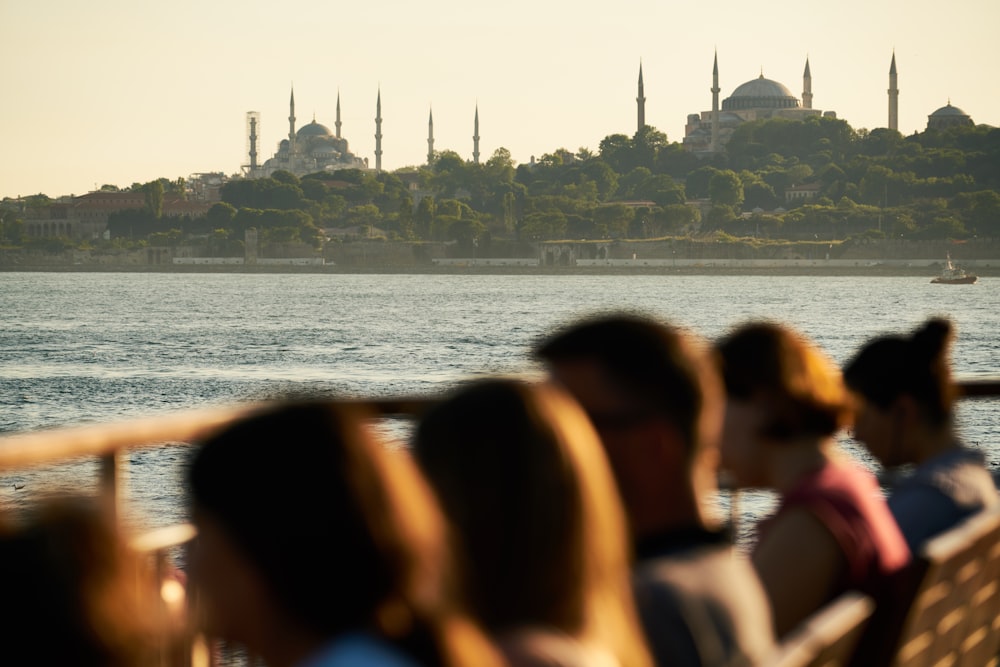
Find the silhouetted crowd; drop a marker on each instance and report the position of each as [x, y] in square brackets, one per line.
[567, 522]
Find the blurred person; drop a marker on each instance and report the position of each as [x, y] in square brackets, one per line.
[74, 593]
[832, 531]
[656, 403]
[522, 478]
[319, 547]
[905, 415]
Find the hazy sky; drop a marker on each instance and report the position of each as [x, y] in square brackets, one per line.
[119, 91]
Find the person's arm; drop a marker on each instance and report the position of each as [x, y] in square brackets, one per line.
[799, 563]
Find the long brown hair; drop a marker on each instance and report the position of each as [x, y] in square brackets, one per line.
[351, 539]
[524, 480]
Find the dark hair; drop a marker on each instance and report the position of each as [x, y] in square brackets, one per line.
[798, 386]
[916, 365]
[67, 577]
[523, 478]
[342, 531]
[655, 364]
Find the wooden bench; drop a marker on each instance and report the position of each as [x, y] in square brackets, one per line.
[945, 610]
[828, 637]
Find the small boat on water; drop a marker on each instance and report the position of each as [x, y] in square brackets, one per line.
[952, 275]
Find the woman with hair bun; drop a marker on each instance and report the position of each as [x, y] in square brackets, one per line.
[905, 399]
[832, 531]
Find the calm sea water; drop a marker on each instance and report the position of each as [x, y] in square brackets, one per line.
[80, 348]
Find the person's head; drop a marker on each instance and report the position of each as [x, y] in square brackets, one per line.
[309, 526]
[523, 479]
[654, 398]
[904, 386]
[781, 392]
[73, 592]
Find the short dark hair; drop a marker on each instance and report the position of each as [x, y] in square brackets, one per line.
[916, 365]
[655, 364]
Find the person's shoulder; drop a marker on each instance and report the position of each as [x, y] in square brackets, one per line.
[359, 649]
[960, 476]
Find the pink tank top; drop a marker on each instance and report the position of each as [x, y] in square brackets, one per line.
[849, 503]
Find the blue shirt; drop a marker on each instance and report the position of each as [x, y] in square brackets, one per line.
[940, 493]
[358, 650]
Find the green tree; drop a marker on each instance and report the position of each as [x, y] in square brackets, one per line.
[221, 215]
[611, 221]
[424, 217]
[153, 194]
[678, 216]
[726, 188]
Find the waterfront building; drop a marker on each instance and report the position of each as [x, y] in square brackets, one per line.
[86, 216]
[313, 147]
[948, 116]
[708, 132]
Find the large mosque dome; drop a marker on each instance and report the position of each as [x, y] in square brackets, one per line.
[313, 129]
[760, 93]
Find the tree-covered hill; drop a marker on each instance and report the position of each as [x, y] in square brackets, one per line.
[812, 179]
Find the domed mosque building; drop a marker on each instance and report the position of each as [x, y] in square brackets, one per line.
[760, 98]
[948, 116]
[312, 148]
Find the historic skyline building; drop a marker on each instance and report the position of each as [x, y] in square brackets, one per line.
[475, 137]
[430, 137]
[310, 148]
[313, 147]
[948, 116]
[709, 132]
[378, 128]
[641, 102]
[893, 95]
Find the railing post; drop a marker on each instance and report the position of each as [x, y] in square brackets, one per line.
[112, 480]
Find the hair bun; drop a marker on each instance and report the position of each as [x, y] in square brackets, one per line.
[932, 339]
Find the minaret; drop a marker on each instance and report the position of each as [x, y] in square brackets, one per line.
[430, 138]
[253, 142]
[807, 87]
[715, 104]
[475, 138]
[893, 95]
[337, 124]
[641, 102]
[291, 122]
[378, 130]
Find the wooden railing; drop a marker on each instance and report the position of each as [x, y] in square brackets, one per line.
[109, 443]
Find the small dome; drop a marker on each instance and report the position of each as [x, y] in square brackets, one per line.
[949, 111]
[314, 129]
[948, 116]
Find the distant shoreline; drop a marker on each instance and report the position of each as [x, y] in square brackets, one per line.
[791, 271]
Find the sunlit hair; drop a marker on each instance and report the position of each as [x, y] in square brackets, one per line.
[658, 367]
[345, 533]
[797, 384]
[74, 593]
[916, 365]
[522, 476]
